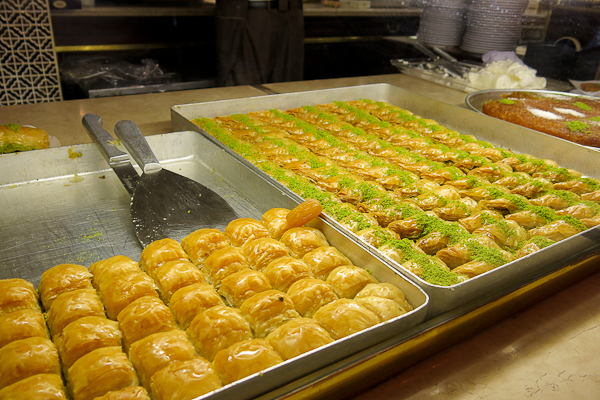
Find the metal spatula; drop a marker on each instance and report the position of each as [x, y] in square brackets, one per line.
[164, 204]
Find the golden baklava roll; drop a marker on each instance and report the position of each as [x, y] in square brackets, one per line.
[202, 243]
[173, 275]
[103, 370]
[348, 280]
[223, 263]
[156, 351]
[244, 359]
[14, 137]
[160, 251]
[310, 294]
[323, 260]
[302, 240]
[183, 380]
[216, 329]
[241, 230]
[111, 269]
[124, 290]
[385, 290]
[36, 387]
[143, 317]
[62, 278]
[22, 324]
[242, 285]
[385, 309]
[191, 300]
[284, 271]
[260, 252]
[16, 294]
[85, 335]
[27, 357]
[127, 393]
[344, 317]
[276, 222]
[71, 306]
[267, 310]
[298, 336]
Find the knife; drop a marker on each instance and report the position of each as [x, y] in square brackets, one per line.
[452, 68]
[117, 159]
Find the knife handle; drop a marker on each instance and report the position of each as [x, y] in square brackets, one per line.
[117, 159]
[137, 146]
[93, 125]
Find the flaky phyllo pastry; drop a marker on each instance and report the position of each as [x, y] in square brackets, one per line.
[445, 206]
[189, 317]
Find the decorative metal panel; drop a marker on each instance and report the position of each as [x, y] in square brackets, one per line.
[28, 68]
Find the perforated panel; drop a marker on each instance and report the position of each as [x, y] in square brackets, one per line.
[28, 69]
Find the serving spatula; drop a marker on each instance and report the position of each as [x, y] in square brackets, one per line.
[163, 204]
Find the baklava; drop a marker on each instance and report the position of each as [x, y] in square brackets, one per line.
[244, 359]
[62, 278]
[216, 329]
[27, 357]
[184, 380]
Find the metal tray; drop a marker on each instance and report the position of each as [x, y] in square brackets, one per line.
[476, 100]
[50, 215]
[483, 288]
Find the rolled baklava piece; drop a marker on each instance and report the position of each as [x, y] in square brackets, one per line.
[36, 387]
[244, 359]
[184, 380]
[202, 243]
[241, 230]
[173, 275]
[27, 357]
[276, 222]
[267, 310]
[127, 393]
[223, 263]
[62, 278]
[323, 260]
[298, 336]
[216, 329]
[242, 285]
[22, 324]
[124, 290]
[310, 294]
[385, 309]
[260, 252]
[85, 335]
[160, 251]
[143, 317]
[284, 271]
[385, 290]
[344, 317]
[17, 294]
[191, 300]
[111, 269]
[302, 240]
[99, 372]
[71, 306]
[156, 351]
[348, 280]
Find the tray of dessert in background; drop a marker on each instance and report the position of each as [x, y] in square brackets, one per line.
[509, 138]
[570, 116]
[66, 211]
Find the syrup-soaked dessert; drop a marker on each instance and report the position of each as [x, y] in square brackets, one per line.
[573, 118]
[187, 318]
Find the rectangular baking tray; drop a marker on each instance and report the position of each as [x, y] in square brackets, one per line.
[65, 205]
[483, 288]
